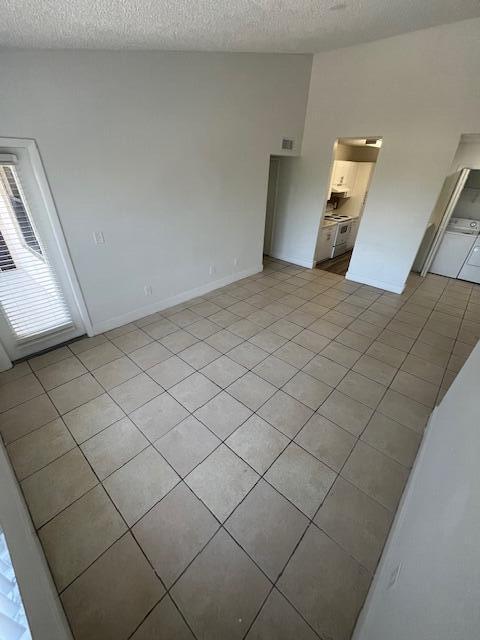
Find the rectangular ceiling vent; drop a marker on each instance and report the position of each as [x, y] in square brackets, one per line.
[287, 144]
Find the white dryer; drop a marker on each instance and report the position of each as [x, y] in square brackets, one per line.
[458, 240]
[471, 268]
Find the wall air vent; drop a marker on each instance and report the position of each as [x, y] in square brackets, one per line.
[287, 144]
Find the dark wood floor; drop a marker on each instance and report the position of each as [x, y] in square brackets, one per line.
[336, 265]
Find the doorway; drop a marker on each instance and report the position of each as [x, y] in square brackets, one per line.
[353, 165]
[40, 301]
[272, 192]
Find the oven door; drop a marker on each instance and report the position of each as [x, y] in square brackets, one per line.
[341, 238]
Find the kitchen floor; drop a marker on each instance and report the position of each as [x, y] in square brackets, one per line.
[338, 265]
[230, 467]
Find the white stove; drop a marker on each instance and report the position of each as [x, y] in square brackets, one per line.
[342, 232]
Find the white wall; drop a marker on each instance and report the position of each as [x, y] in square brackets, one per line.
[166, 153]
[435, 535]
[418, 91]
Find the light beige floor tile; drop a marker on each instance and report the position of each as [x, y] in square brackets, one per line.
[101, 604]
[223, 341]
[140, 483]
[362, 389]
[57, 485]
[160, 328]
[90, 418]
[374, 369]
[387, 354]
[380, 477]
[185, 318]
[26, 417]
[84, 344]
[222, 481]
[17, 371]
[294, 354]
[346, 412]
[408, 412]
[224, 318]
[158, 416]
[428, 371]
[163, 622]
[396, 340]
[325, 328]
[326, 585]
[308, 390]
[268, 527]
[325, 370]
[114, 373]
[355, 521]
[77, 536]
[18, 391]
[135, 392]
[119, 331]
[278, 620]
[430, 353]
[354, 340]
[174, 531]
[178, 341]
[275, 371]
[415, 388]
[199, 355]
[327, 442]
[55, 355]
[341, 354]
[114, 446]
[245, 328]
[285, 413]
[251, 390]
[58, 373]
[98, 356]
[436, 340]
[223, 371]
[194, 391]
[75, 393]
[150, 355]
[312, 341]
[132, 340]
[268, 341]
[285, 328]
[247, 354]
[301, 478]
[233, 590]
[39, 448]
[258, 443]
[169, 372]
[186, 445]
[392, 438]
[223, 414]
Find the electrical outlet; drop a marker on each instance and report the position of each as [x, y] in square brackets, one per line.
[148, 289]
[235, 262]
[394, 576]
[98, 237]
[211, 270]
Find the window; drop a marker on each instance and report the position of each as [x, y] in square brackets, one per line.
[13, 621]
[21, 215]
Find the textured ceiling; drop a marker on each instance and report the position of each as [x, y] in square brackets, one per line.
[302, 26]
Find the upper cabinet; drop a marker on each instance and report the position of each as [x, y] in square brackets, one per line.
[343, 175]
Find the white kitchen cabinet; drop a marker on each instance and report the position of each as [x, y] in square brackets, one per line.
[325, 243]
[344, 174]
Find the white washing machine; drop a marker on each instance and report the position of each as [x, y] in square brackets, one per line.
[471, 268]
[457, 242]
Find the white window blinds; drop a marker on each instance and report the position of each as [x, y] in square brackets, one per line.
[30, 295]
[13, 621]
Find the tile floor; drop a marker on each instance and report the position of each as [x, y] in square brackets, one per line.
[229, 468]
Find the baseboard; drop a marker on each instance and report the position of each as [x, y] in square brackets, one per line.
[301, 262]
[372, 282]
[141, 312]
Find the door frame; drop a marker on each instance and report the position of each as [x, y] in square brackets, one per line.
[58, 245]
[447, 214]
